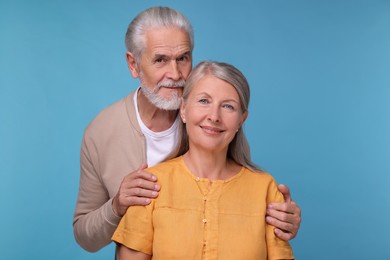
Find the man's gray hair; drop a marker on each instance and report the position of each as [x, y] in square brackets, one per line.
[155, 17]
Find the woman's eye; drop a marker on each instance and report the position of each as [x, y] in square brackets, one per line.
[228, 106]
[203, 101]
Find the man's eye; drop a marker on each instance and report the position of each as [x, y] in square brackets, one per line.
[183, 58]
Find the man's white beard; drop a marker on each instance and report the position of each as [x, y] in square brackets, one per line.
[170, 103]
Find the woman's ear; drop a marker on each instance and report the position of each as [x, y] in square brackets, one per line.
[244, 117]
[182, 111]
[132, 64]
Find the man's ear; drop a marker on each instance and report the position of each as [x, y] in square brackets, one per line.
[132, 64]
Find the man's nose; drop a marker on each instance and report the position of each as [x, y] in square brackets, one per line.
[174, 71]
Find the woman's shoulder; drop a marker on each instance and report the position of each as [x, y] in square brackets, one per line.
[258, 175]
[166, 168]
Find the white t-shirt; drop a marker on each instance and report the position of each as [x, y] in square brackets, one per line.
[158, 144]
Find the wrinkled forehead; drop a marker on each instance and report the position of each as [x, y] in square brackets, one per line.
[172, 38]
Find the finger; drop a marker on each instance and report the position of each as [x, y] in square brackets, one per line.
[144, 184]
[280, 215]
[138, 201]
[134, 197]
[141, 193]
[141, 173]
[283, 226]
[142, 167]
[284, 235]
[147, 176]
[288, 222]
[141, 179]
[286, 192]
[283, 207]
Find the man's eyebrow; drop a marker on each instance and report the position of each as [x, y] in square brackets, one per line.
[185, 53]
[160, 56]
[165, 55]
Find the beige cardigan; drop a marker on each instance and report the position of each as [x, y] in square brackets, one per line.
[113, 146]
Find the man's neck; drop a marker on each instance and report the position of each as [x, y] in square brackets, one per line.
[154, 118]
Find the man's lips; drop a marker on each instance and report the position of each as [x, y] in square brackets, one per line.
[171, 87]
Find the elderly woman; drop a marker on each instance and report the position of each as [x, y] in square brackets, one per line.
[213, 199]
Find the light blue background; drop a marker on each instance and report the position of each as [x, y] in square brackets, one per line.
[319, 118]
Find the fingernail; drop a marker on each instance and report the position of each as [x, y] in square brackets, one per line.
[154, 193]
[157, 187]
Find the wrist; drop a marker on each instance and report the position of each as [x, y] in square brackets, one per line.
[114, 208]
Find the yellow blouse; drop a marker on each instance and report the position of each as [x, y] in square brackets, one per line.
[195, 218]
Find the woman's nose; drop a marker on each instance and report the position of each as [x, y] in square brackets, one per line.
[214, 115]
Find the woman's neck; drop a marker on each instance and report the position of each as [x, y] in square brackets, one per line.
[209, 165]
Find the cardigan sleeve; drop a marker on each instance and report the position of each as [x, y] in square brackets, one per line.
[94, 220]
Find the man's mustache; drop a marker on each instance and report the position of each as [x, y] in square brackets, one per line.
[171, 84]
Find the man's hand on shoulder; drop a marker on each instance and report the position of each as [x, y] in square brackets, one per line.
[136, 189]
[285, 217]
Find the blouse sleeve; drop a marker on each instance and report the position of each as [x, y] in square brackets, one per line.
[276, 247]
[135, 230]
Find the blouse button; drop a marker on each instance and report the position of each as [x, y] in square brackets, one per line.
[204, 220]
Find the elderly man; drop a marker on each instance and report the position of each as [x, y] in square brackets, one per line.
[141, 130]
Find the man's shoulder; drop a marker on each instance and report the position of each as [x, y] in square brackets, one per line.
[111, 119]
[111, 114]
